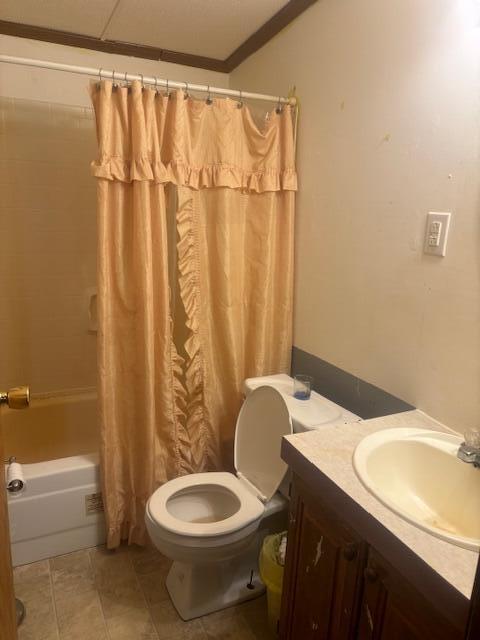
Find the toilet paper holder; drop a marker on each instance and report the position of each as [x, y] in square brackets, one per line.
[16, 484]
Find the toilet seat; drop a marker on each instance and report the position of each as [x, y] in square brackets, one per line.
[249, 508]
[263, 419]
[214, 509]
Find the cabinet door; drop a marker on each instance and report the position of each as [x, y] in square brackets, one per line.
[392, 609]
[323, 575]
[8, 618]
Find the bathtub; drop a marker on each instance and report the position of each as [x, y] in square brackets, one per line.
[60, 508]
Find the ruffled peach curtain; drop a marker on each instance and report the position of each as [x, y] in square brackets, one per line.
[168, 409]
[236, 271]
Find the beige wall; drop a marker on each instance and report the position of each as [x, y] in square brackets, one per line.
[47, 213]
[389, 130]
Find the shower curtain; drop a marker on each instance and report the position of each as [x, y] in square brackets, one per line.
[169, 394]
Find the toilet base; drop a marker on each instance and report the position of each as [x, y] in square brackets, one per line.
[199, 589]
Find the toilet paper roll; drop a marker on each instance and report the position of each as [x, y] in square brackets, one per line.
[15, 479]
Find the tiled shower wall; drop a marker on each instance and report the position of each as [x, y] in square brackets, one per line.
[47, 245]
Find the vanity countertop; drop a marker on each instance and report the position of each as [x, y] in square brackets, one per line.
[330, 450]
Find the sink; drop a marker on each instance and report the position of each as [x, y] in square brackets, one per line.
[416, 474]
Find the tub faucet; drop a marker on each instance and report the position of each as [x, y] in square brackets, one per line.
[469, 451]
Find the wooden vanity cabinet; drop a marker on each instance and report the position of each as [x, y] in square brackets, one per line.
[391, 609]
[336, 587]
[323, 574]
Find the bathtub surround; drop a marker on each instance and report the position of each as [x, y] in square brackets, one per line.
[389, 130]
[168, 409]
[345, 389]
[48, 245]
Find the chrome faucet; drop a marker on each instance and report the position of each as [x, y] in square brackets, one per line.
[469, 451]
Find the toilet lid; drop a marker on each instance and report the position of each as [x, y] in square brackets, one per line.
[263, 420]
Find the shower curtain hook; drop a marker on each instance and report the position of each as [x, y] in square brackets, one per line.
[209, 98]
[125, 82]
[143, 86]
[156, 86]
[279, 106]
[186, 96]
[168, 92]
[240, 104]
[115, 85]
[99, 78]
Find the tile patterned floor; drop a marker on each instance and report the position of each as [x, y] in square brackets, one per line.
[95, 594]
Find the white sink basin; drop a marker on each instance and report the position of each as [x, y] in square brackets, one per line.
[416, 473]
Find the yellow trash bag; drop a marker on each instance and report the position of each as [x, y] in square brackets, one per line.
[271, 573]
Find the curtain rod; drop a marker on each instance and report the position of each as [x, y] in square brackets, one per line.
[128, 77]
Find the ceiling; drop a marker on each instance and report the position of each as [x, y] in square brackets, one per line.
[208, 28]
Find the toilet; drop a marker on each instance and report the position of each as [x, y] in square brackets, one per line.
[212, 525]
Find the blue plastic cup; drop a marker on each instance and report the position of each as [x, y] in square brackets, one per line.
[302, 386]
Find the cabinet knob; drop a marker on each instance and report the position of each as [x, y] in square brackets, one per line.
[371, 574]
[350, 552]
[16, 398]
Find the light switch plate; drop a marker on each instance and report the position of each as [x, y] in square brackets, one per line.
[436, 235]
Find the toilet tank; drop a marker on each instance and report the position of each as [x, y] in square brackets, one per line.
[314, 413]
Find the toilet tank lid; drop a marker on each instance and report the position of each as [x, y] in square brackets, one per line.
[263, 419]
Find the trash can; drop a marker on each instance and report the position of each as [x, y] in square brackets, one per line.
[272, 559]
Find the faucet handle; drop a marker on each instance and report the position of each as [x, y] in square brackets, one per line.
[472, 438]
